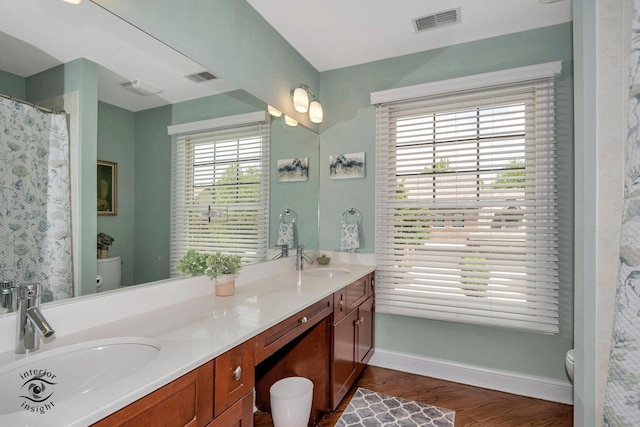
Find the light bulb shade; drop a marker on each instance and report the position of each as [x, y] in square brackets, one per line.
[289, 121]
[301, 100]
[315, 112]
[274, 111]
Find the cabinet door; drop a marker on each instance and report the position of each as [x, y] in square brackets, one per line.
[234, 376]
[240, 414]
[343, 365]
[186, 401]
[365, 333]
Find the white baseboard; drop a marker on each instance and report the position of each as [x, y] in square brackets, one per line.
[493, 379]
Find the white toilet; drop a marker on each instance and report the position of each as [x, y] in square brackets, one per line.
[109, 274]
[568, 363]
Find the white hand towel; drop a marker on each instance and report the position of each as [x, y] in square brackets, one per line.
[349, 238]
[285, 235]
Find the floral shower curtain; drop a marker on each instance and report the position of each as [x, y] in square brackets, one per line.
[622, 397]
[35, 199]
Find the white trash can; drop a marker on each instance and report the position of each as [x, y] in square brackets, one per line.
[291, 402]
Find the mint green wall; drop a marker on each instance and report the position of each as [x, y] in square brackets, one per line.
[350, 127]
[12, 85]
[79, 75]
[224, 104]
[116, 136]
[152, 183]
[230, 39]
[302, 196]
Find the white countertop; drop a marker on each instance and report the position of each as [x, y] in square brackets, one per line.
[190, 333]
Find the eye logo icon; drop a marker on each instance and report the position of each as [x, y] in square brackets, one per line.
[37, 390]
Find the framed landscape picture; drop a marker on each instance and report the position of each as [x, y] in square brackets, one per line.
[107, 188]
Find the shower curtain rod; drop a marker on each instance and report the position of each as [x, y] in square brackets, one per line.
[43, 109]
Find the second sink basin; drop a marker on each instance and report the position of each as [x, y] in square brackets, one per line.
[38, 383]
[326, 272]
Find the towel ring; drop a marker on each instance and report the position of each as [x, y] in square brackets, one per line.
[351, 211]
[288, 212]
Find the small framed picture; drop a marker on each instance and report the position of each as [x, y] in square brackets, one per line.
[345, 166]
[290, 170]
[107, 188]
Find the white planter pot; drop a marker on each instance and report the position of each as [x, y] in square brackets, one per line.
[225, 285]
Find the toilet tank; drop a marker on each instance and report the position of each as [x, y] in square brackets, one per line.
[109, 274]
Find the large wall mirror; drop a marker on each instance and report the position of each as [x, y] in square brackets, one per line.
[117, 126]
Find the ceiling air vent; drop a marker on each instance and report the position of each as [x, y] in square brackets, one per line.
[201, 77]
[439, 19]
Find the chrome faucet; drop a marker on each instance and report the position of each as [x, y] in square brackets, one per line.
[284, 253]
[30, 323]
[301, 257]
[7, 296]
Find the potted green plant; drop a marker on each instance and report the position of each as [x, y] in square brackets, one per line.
[222, 268]
[193, 263]
[104, 241]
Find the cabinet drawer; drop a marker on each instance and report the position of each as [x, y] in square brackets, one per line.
[357, 292]
[234, 376]
[286, 331]
[183, 402]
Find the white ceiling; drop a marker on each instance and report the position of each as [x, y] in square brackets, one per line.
[338, 33]
[36, 35]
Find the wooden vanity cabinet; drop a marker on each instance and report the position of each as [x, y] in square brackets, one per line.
[218, 393]
[186, 401]
[353, 335]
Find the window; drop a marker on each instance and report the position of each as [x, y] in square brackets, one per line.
[221, 188]
[466, 222]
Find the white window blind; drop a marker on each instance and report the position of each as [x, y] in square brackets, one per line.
[466, 207]
[220, 194]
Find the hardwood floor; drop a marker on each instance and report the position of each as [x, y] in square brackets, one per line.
[474, 406]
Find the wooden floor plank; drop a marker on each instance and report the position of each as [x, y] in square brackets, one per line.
[474, 406]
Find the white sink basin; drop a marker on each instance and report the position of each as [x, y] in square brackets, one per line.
[326, 272]
[39, 382]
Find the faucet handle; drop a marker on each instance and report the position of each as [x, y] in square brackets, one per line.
[28, 290]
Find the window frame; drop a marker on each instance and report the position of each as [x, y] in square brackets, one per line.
[249, 239]
[541, 309]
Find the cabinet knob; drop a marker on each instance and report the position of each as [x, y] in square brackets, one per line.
[341, 304]
[304, 320]
[237, 373]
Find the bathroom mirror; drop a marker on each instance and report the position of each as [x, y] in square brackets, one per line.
[141, 227]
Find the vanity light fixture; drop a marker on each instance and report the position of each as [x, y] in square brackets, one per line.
[73, 1]
[289, 121]
[300, 96]
[274, 111]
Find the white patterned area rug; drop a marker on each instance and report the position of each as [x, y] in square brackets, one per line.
[370, 409]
